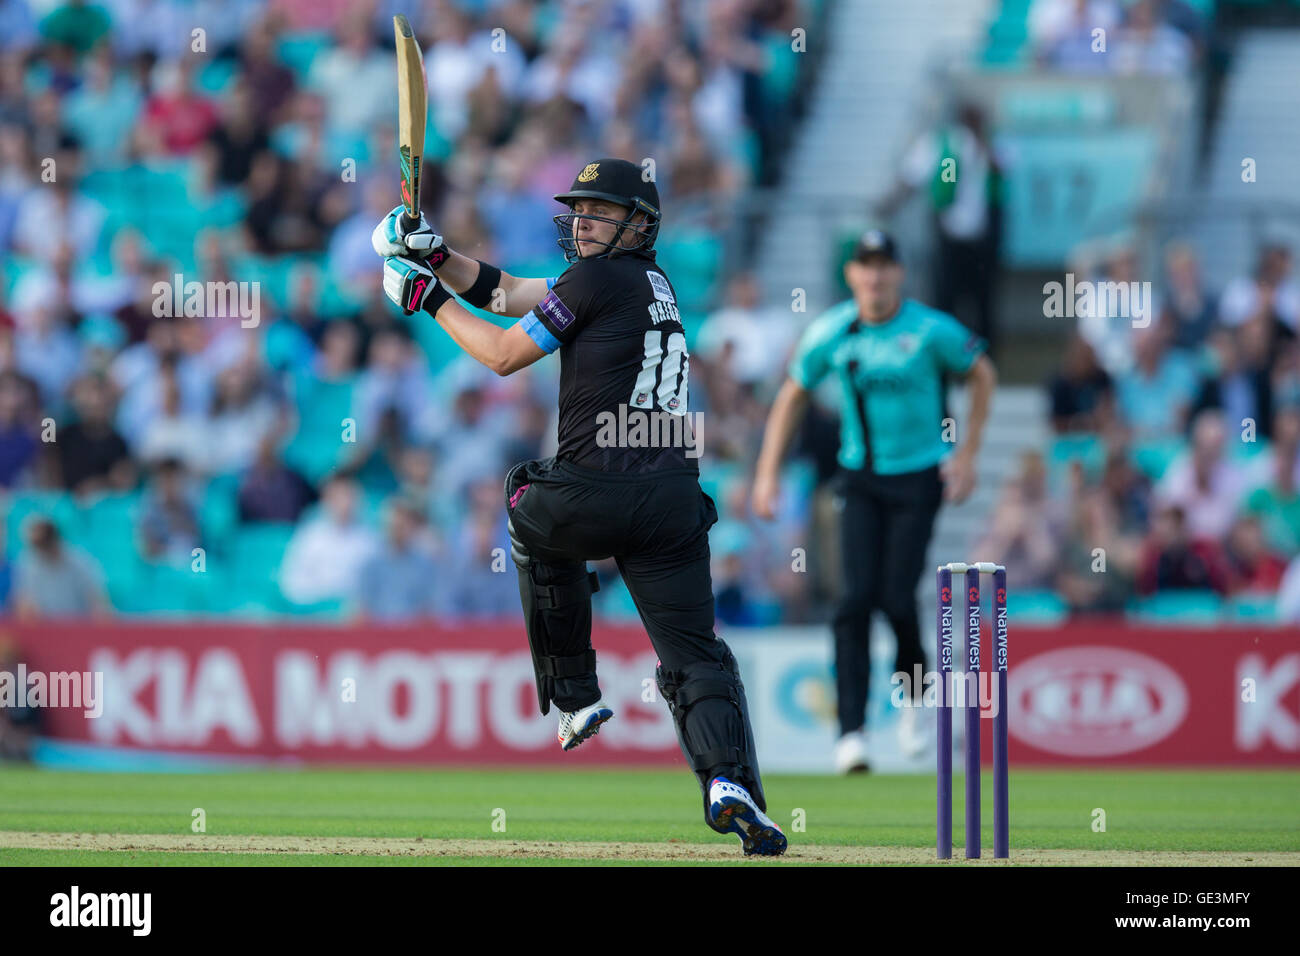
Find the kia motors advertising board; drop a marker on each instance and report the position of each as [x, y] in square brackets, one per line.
[1102, 693]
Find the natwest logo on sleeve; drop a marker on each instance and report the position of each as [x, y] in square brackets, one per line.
[1095, 701]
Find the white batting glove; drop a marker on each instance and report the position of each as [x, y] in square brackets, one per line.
[392, 238]
[411, 284]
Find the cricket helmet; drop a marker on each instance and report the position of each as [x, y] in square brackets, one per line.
[617, 181]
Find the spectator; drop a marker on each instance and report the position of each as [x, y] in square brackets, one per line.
[238, 137]
[92, 456]
[1238, 383]
[1186, 304]
[270, 490]
[243, 414]
[1062, 35]
[1106, 323]
[355, 76]
[968, 215]
[1288, 594]
[1147, 45]
[326, 553]
[1098, 564]
[177, 120]
[1270, 293]
[1173, 560]
[1153, 397]
[76, 25]
[756, 339]
[271, 84]
[102, 112]
[400, 581]
[1082, 394]
[18, 725]
[478, 579]
[1252, 567]
[1019, 533]
[732, 603]
[1203, 483]
[173, 433]
[54, 580]
[18, 435]
[1129, 492]
[169, 524]
[1275, 499]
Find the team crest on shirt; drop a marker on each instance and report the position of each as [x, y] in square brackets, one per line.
[906, 344]
[662, 290]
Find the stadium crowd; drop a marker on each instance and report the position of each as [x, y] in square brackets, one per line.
[1176, 450]
[302, 445]
[323, 456]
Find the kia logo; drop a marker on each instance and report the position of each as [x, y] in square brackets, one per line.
[1094, 701]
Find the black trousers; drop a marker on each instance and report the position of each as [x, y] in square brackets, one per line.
[967, 274]
[657, 529]
[885, 530]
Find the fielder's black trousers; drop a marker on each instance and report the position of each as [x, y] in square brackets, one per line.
[655, 526]
[885, 529]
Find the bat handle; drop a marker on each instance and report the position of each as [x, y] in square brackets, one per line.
[410, 222]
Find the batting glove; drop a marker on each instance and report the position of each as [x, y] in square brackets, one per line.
[392, 238]
[413, 286]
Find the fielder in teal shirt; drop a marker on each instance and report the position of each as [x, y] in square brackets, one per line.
[892, 372]
[888, 361]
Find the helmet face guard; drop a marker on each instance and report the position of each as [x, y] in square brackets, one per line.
[648, 229]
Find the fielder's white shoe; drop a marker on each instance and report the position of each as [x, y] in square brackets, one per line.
[912, 739]
[581, 724]
[851, 753]
[734, 810]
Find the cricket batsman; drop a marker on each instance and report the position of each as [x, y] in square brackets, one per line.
[612, 316]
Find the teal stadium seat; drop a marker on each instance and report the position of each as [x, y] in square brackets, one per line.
[254, 563]
[1037, 608]
[24, 505]
[1180, 608]
[298, 50]
[1252, 608]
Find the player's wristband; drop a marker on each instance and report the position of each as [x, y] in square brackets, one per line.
[437, 296]
[480, 293]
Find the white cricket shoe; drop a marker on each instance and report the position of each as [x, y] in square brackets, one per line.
[734, 810]
[912, 739]
[581, 724]
[851, 753]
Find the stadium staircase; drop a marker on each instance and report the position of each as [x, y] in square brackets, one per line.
[1018, 422]
[1261, 86]
[863, 108]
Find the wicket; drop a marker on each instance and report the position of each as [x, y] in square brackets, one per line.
[944, 648]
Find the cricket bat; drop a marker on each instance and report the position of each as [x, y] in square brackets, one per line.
[412, 109]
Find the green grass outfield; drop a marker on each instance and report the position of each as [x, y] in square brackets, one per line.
[438, 817]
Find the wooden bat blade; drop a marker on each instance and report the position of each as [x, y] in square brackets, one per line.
[412, 108]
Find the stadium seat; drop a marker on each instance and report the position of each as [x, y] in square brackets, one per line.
[1182, 608]
[55, 505]
[1254, 608]
[298, 50]
[219, 512]
[1154, 457]
[1041, 608]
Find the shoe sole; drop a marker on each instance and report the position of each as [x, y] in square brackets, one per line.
[759, 839]
[592, 728]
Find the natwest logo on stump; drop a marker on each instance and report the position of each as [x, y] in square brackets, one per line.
[1095, 701]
